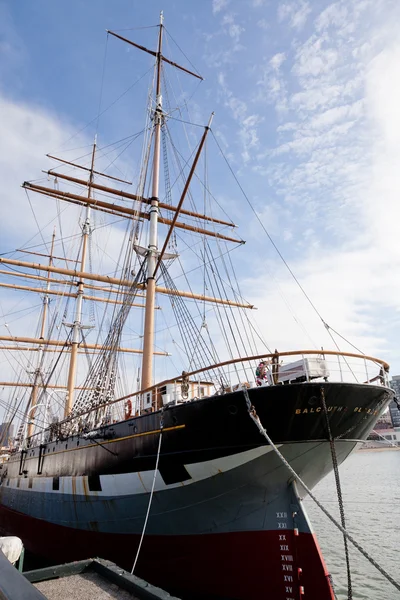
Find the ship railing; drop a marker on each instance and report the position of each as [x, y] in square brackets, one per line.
[300, 366]
[283, 368]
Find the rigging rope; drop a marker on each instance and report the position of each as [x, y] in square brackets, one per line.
[263, 431]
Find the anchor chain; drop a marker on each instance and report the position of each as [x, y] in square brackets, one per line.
[252, 412]
[338, 492]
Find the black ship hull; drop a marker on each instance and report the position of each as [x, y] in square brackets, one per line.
[226, 519]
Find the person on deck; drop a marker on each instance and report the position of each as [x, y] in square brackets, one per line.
[261, 373]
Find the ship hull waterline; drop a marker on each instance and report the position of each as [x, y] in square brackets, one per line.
[225, 521]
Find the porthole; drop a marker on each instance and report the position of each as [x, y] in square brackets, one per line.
[232, 409]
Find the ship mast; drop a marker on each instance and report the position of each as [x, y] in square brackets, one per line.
[77, 324]
[148, 334]
[38, 371]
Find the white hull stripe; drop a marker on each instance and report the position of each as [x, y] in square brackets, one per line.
[125, 484]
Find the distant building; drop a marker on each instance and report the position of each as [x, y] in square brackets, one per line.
[394, 411]
[6, 432]
[384, 422]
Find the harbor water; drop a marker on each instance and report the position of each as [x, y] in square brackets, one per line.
[371, 491]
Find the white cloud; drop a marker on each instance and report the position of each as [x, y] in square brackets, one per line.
[295, 12]
[233, 29]
[248, 123]
[340, 139]
[313, 58]
[277, 61]
[263, 24]
[218, 5]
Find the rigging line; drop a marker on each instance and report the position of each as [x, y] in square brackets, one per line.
[185, 122]
[37, 246]
[180, 49]
[4, 315]
[137, 28]
[178, 154]
[344, 339]
[185, 319]
[36, 221]
[102, 82]
[105, 110]
[215, 272]
[266, 231]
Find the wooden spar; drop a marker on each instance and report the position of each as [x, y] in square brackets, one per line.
[183, 195]
[123, 194]
[40, 349]
[47, 255]
[117, 209]
[191, 296]
[66, 294]
[132, 43]
[50, 386]
[154, 54]
[60, 343]
[87, 169]
[68, 282]
[148, 329]
[115, 281]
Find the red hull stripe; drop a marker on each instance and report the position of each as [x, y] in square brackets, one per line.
[248, 565]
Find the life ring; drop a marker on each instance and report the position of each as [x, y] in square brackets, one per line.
[128, 409]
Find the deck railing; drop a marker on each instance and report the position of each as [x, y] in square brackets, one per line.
[283, 368]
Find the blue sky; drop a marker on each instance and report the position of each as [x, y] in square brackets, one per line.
[305, 96]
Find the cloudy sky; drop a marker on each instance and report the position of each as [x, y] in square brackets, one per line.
[306, 97]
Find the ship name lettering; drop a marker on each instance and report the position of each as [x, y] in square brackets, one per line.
[287, 568]
[298, 411]
[287, 578]
[282, 537]
[282, 525]
[281, 515]
[357, 409]
[287, 557]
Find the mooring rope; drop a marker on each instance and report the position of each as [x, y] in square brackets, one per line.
[151, 495]
[255, 418]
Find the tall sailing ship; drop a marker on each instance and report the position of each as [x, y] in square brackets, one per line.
[172, 478]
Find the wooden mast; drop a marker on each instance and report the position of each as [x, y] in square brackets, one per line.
[76, 327]
[38, 371]
[148, 333]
